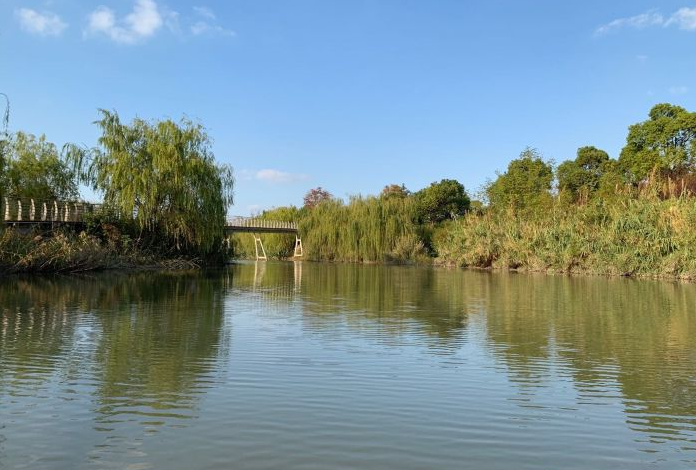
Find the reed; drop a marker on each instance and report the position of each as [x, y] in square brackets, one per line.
[644, 236]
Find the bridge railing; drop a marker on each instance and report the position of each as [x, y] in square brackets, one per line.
[259, 223]
[22, 210]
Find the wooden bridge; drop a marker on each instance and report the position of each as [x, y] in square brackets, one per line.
[34, 212]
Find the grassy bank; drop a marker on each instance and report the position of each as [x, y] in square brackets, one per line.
[68, 252]
[643, 237]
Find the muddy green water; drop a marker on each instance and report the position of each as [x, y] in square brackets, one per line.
[313, 366]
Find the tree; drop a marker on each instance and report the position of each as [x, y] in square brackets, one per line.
[34, 170]
[441, 201]
[162, 173]
[4, 140]
[666, 142]
[581, 177]
[525, 184]
[395, 191]
[316, 196]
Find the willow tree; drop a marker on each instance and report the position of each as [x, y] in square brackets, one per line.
[163, 175]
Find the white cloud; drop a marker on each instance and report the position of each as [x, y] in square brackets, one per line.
[201, 27]
[144, 21]
[277, 176]
[679, 90]
[684, 18]
[43, 24]
[208, 23]
[649, 18]
[204, 12]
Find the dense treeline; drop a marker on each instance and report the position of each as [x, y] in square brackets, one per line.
[164, 196]
[629, 216]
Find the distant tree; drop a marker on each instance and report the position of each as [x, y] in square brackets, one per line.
[164, 173]
[33, 169]
[395, 191]
[316, 196]
[525, 184]
[441, 201]
[666, 142]
[4, 140]
[581, 177]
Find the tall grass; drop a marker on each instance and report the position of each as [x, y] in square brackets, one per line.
[643, 236]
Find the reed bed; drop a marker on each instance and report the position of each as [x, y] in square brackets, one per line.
[644, 237]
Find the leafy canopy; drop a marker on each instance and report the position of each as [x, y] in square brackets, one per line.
[581, 177]
[526, 184]
[163, 174]
[441, 201]
[34, 170]
[395, 191]
[316, 196]
[666, 142]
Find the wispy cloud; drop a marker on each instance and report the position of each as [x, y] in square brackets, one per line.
[684, 18]
[204, 12]
[42, 23]
[277, 176]
[141, 23]
[678, 90]
[207, 23]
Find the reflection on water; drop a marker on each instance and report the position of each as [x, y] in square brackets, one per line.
[302, 365]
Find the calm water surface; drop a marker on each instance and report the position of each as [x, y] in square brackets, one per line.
[312, 366]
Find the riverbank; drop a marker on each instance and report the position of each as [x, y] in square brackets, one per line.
[645, 237]
[69, 252]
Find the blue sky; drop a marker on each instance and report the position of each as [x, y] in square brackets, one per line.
[352, 95]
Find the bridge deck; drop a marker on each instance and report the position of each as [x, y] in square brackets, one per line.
[257, 225]
[25, 212]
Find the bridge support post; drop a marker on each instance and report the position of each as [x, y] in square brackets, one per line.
[19, 210]
[257, 243]
[7, 209]
[298, 247]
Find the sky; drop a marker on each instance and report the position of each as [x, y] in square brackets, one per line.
[351, 95]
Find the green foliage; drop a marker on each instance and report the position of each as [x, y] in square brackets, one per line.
[643, 236]
[442, 201]
[164, 175]
[35, 170]
[525, 185]
[367, 229]
[666, 142]
[580, 178]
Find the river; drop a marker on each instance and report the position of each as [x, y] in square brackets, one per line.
[318, 366]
